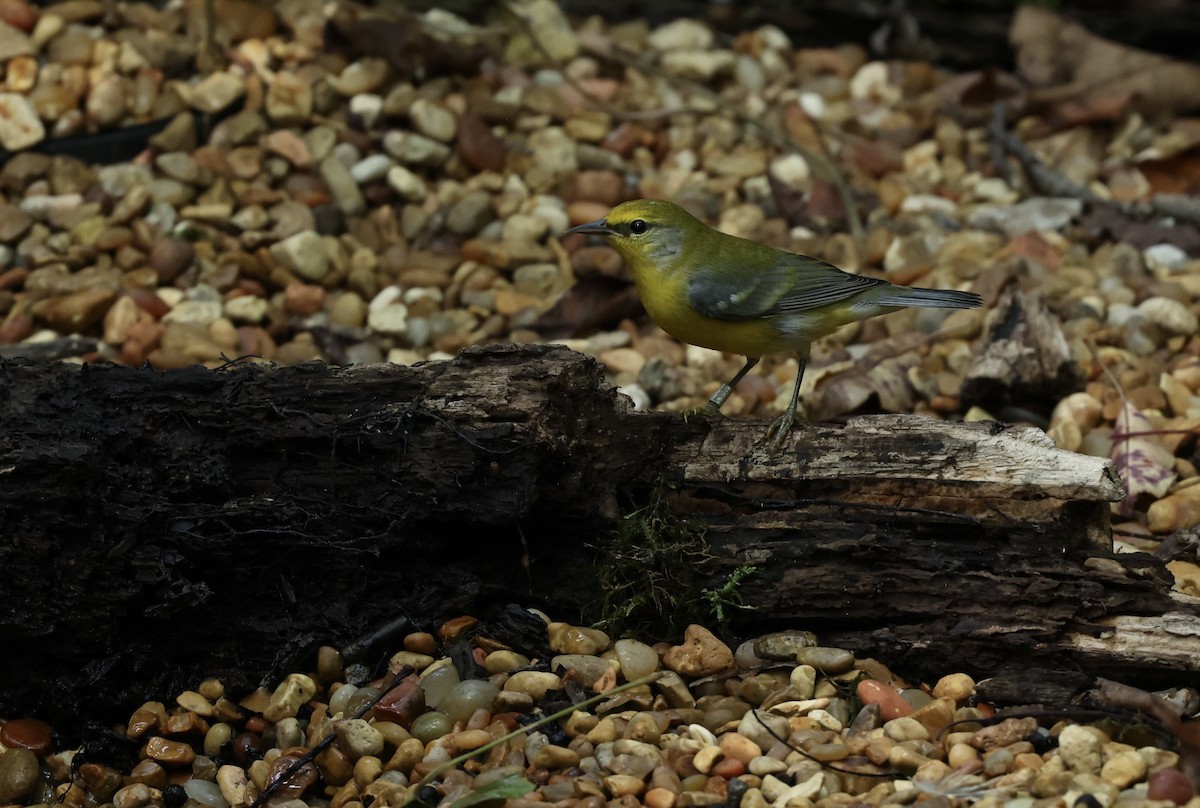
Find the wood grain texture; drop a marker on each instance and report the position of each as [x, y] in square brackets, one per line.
[164, 526]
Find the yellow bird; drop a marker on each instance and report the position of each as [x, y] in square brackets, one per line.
[729, 294]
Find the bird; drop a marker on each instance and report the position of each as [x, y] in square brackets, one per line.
[718, 291]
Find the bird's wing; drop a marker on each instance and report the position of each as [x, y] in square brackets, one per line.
[794, 284]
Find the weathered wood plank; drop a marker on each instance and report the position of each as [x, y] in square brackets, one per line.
[164, 526]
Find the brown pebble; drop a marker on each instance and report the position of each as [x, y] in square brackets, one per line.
[1008, 731]
[100, 781]
[150, 773]
[171, 256]
[455, 626]
[421, 642]
[296, 783]
[658, 798]
[402, 703]
[477, 146]
[303, 298]
[148, 301]
[891, 703]
[16, 326]
[246, 748]
[1170, 784]
[141, 722]
[27, 733]
[170, 753]
[13, 278]
[19, 772]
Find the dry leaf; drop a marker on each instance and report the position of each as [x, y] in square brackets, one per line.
[1095, 78]
[1145, 465]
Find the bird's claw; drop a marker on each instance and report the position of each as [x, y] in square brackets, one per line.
[709, 410]
[780, 430]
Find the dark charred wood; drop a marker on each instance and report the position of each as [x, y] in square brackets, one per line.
[165, 526]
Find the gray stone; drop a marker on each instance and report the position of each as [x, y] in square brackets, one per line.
[343, 186]
[783, 644]
[19, 773]
[304, 254]
[471, 213]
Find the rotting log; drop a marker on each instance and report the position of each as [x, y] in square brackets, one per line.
[164, 526]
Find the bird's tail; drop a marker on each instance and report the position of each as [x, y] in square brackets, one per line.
[929, 298]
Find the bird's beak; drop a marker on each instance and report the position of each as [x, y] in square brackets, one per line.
[597, 228]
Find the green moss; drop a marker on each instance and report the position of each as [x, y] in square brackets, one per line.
[653, 572]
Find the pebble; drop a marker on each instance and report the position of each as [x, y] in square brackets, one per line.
[682, 34]
[205, 793]
[568, 639]
[1079, 749]
[216, 92]
[1170, 315]
[471, 213]
[19, 772]
[1036, 215]
[1124, 769]
[371, 169]
[286, 700]
[533, 683]
[905, 728]
[783, 644]
[467, 696]
[303, 253]
[1170, 784]
[357, 738]
[233, 783]
[701, 654]
[827, 660]
[20, 125]
[343, 185]
[406, 184]
[170, 753]
[27, 733]
[135, 795]
[433, 121]
[891, 703]
[452, 230]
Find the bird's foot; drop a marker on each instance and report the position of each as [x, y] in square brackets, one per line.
[709, 410]
[780, 430]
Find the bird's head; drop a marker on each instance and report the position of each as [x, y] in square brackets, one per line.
[645, 229]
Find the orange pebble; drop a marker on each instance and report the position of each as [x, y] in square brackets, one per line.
[728, 767]
[455, 626]
[891, 703]
[658, 798]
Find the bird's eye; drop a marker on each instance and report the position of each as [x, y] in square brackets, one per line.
[637, 227]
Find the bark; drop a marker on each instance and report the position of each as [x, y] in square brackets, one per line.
[162, 527]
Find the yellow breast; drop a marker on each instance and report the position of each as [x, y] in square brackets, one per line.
[665, 299]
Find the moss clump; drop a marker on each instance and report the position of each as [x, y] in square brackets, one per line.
[653, 572]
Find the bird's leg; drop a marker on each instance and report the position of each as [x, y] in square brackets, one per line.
[781, 427]
[713, 407]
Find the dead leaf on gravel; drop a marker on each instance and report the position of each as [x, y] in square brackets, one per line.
[1145, 465]
[1092, 78]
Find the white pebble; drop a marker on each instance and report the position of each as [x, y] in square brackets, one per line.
[205, 792]
[1165, 257]
[1170, 315]
[407, 184]
[367, 106]
[791, 169]
[371, 169]
[639, 397]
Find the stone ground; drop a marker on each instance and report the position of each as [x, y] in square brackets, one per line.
[333, 182]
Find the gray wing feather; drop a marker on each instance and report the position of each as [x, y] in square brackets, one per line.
[794, 285]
